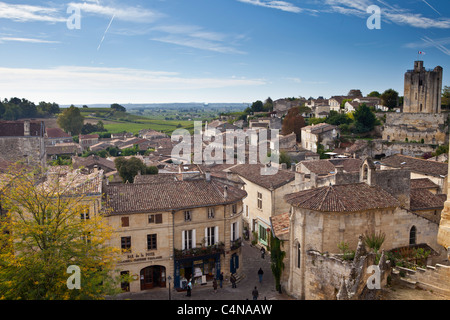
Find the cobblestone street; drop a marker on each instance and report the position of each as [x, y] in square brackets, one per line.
[252, 261]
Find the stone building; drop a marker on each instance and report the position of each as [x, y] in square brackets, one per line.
[435, 171]
[320, 218]
[179, 228]
[421, 119]
[422, 92]
[265, 197]
[23, 140]
[322, 133]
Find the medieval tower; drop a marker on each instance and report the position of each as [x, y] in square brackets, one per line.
[422, 89]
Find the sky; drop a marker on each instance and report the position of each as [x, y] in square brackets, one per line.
[165, 51]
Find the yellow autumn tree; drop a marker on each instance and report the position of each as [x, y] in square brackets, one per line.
[47, 226]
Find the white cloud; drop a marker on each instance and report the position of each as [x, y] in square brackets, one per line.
[28, 40]
[27, 13]
[389, 13]
[72, 84]
[280, 5]
[196, 37]
[129, 14]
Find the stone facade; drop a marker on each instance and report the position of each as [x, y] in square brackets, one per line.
[423, 88]
[23, 141]
[432, 128]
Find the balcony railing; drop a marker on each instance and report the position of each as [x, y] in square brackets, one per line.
[235, 244]
[202, 251]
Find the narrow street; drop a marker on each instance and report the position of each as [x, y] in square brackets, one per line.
[251, 263]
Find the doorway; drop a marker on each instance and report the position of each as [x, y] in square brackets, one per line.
[154, 276]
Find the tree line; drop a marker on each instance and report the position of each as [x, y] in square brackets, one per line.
[16, 108]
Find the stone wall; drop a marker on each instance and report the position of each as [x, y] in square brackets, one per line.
[432, 128]
[29, 149]
[435, 278]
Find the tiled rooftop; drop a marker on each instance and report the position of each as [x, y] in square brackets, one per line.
[252, 172]
[175, 195]
[343, 198]
[434, 168]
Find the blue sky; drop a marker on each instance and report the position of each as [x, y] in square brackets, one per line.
[156, 51]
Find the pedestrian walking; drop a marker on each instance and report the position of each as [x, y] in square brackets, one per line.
[215, 285]
[233, 281]
[221, 279]
[263, 252]
[255, 294]
[189, 288]
[260, 274]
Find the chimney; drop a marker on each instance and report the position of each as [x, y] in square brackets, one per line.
[208, 176]
[339, 169]
[225, 192]
[26, 128]
[313, 180]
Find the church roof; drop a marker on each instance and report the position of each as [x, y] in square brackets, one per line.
[343, 198]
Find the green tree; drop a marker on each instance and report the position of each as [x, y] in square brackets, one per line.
[375, 94]
[43, 233]
[365, 119]
[389, 98]
[277, 256]
[257, 106]
[71, 120]
[118, 107]
[268, 105]
[129, 168]
[445, 101]
[336, 118]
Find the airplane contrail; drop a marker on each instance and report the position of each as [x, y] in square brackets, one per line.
[106, 31]
[432, 7]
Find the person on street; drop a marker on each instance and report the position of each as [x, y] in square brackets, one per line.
[189, 288]
[215, 285]
[255, 294]
[221, 280]
[260, 274]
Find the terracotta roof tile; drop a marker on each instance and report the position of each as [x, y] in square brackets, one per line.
[177, 195]
[252, 172]
[434, 168]
[422, 199]
[343, 198]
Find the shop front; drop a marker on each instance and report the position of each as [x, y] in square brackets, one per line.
[199, 269]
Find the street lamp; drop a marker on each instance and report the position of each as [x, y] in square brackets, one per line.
[169, 278]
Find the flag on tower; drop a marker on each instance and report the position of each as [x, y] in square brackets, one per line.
[421, 52]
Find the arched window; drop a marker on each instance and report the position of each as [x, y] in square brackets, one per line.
[365, 172]
[412, 235]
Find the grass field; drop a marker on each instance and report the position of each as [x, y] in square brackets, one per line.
[132, 123]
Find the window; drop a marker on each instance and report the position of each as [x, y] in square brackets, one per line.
[234, 231]
[299, 255]
[125, 221]
[126, 244]
[211, 236]
[262, 234]
[246, 211]
[85, 214]
[259, 200]
[124, 284]
[187, 216]
[210, 213]
[188, 239]
[234, 208]
[412, 235]
[155, 218]
[151, 242]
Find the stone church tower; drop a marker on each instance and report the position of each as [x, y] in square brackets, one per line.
[423, 88]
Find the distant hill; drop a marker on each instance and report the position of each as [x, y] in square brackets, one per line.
[131, 106]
